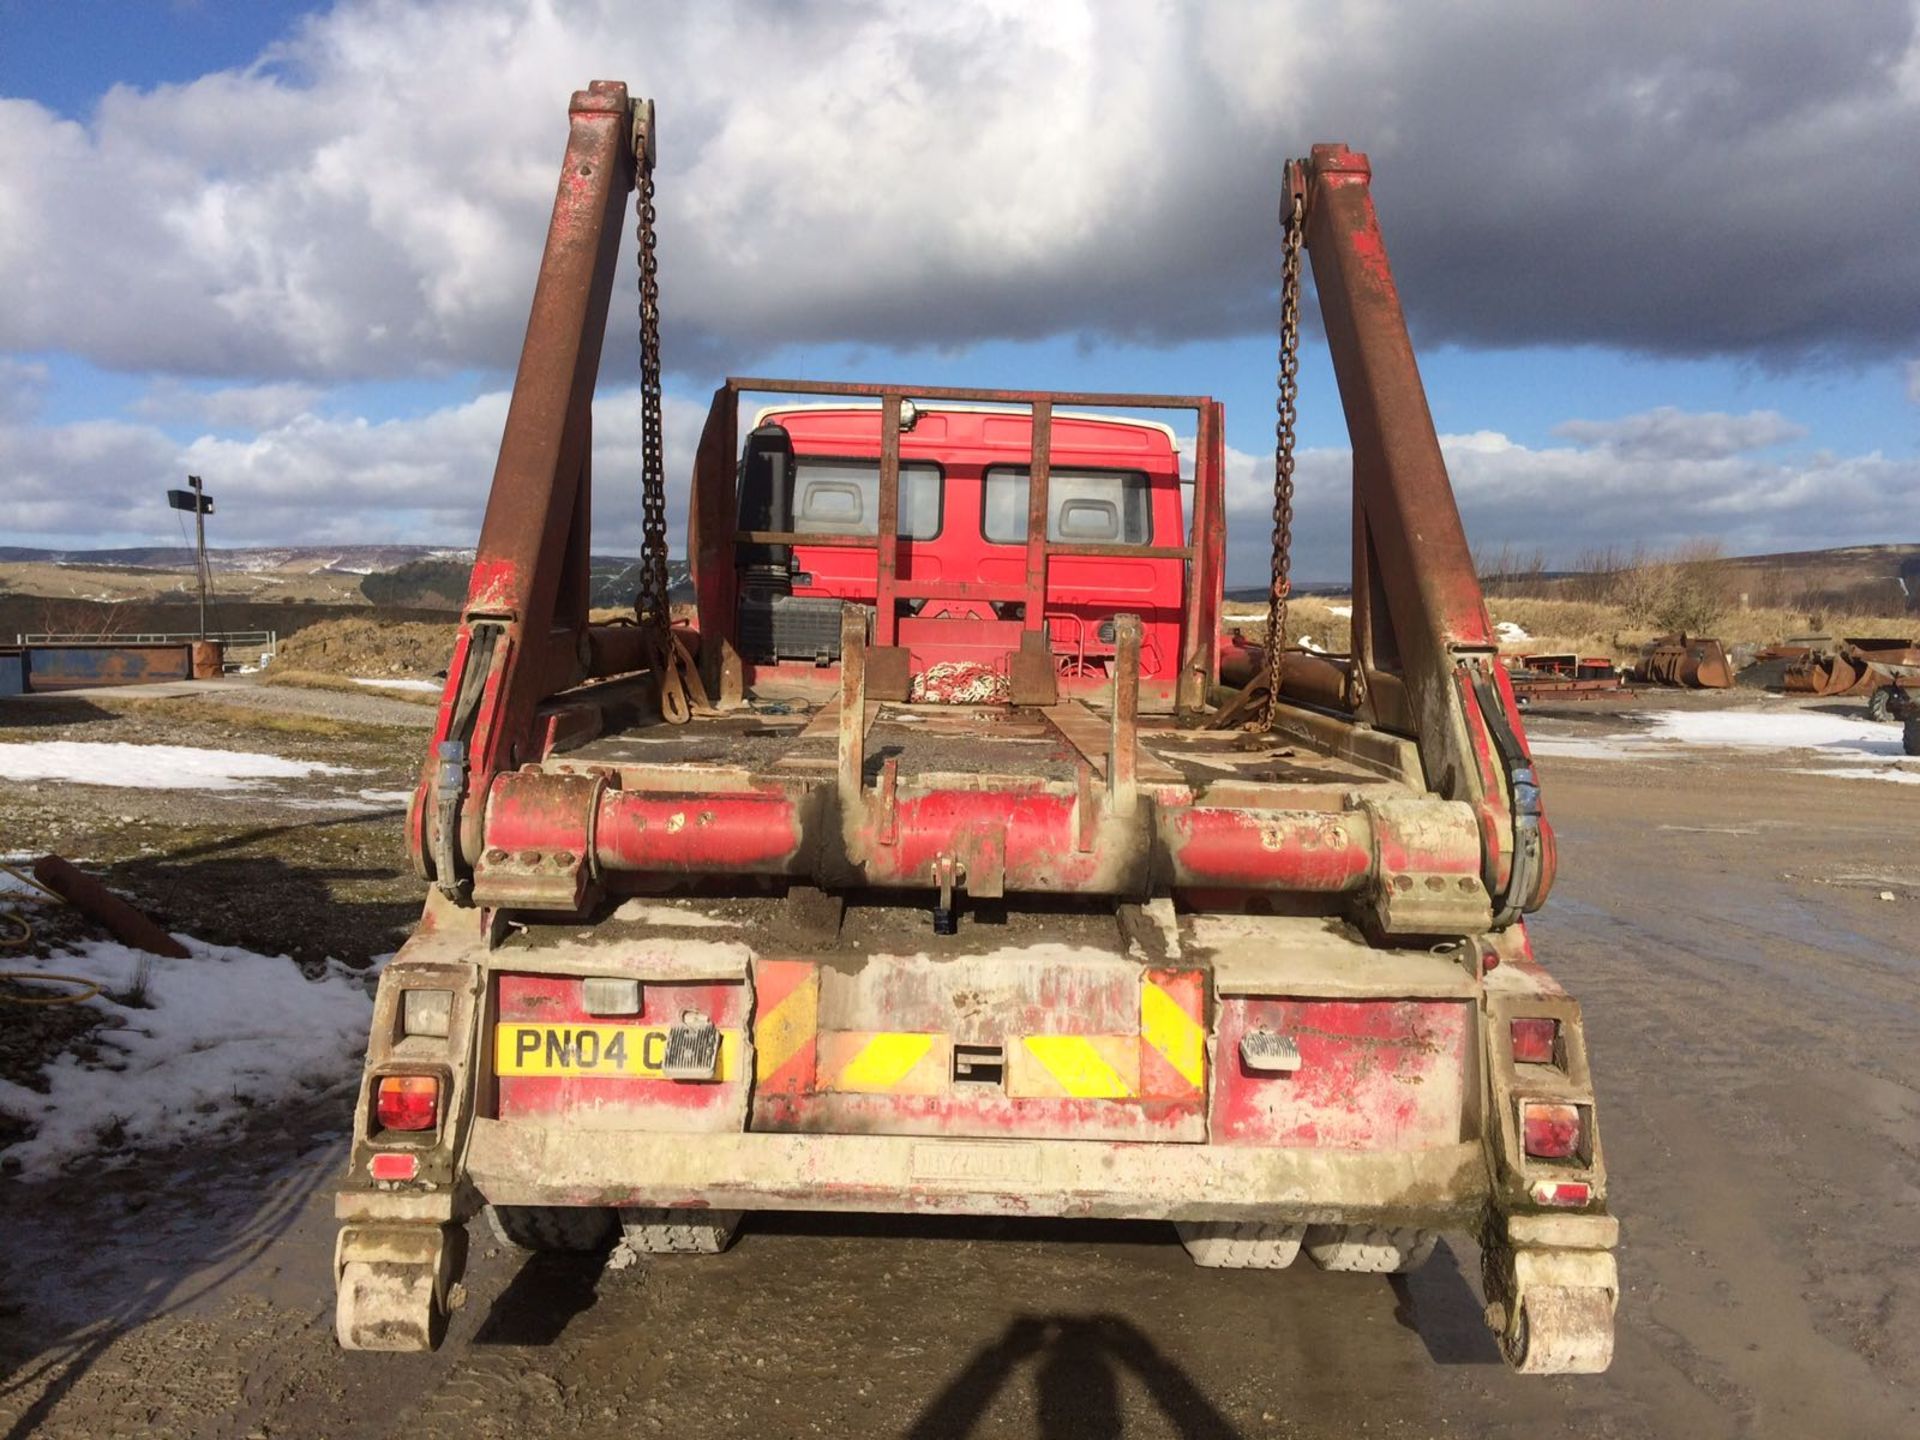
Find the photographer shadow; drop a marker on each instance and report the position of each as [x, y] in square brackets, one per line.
[1078, 1361]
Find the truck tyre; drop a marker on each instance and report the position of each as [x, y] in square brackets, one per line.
[677, 1232]
[1880, 704]
[1369, 1250]
[1240, 1244]
[1910, 735]
[579, 1229]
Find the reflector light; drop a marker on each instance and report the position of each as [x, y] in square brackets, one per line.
[426, 1012]
[407, 1102]
[1561, 1192]
[1535, 1040]
[1552, 1129]
[395, 1167]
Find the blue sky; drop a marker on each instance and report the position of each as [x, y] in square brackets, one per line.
[64, 53]
[293, 246]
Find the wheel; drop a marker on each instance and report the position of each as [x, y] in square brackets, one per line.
[1369, 1250]
[1561, 1330]
[1240, 1244]
[1880, 704]
[577, 1228]
[379, 1305]
[1910, 735]
[677, 1232]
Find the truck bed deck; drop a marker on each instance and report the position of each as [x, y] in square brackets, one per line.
[795, 743]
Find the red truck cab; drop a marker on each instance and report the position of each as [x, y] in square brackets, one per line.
[962, 523]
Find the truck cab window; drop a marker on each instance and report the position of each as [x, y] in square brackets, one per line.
[842, 497]
[1088, 507]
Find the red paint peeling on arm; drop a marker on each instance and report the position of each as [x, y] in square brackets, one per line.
[495, 585]
[1371, 251]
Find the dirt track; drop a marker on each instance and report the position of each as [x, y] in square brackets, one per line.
[1753, 1007]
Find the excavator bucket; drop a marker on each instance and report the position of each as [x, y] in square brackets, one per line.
[1689, 663]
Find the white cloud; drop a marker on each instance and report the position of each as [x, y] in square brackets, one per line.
[424, 479]
[1670, 433]
[370, 199]
[229, 407]
[1567, 500]
[322, 479]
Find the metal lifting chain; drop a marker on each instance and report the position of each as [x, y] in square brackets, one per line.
[652, 600]
[1286, 408]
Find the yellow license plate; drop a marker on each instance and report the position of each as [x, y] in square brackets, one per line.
[609, 1052]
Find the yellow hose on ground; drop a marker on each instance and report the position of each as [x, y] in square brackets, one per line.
[88, 988]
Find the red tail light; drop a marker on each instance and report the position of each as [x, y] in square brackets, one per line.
[1552, 1129]
[1535, 1040]
[407, 1102]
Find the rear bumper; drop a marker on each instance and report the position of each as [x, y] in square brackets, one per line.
[519, 1164]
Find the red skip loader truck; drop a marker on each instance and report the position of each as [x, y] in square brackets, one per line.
[942, 857]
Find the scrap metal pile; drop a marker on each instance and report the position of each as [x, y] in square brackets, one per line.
[1852, 667]
[1563, 677]
[1689, 662]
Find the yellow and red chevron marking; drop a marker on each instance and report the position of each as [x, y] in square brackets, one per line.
[884, 1062]
[1166, 1059]
[1077, 1067]
[1173, 1034]
[787, 1010]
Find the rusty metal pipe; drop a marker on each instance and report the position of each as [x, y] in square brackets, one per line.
[1298, 850]
[746, 834]
[94, 900]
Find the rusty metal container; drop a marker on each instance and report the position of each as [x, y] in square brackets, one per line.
[77, 667]
[209, 659]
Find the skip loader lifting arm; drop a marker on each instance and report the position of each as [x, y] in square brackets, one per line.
[1423, 648]
[524, 632]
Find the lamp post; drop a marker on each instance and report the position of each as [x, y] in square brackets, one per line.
[201, 504]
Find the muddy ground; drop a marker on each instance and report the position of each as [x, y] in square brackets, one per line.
[1753, 1008]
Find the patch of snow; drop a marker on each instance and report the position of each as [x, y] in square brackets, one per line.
[11, 884]
[1306, 643]
[1345, 612]
[152, 767]
[1857, 749]
[1903, 775]
[223, 1032]
[387, 797]
[435, 686]
[1509, 633]
[1780, 730]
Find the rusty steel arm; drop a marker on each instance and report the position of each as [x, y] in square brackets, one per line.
[523, 631]
[1422, 641]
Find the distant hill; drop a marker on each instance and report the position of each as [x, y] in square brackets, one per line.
[413, 576]
[308, 559]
